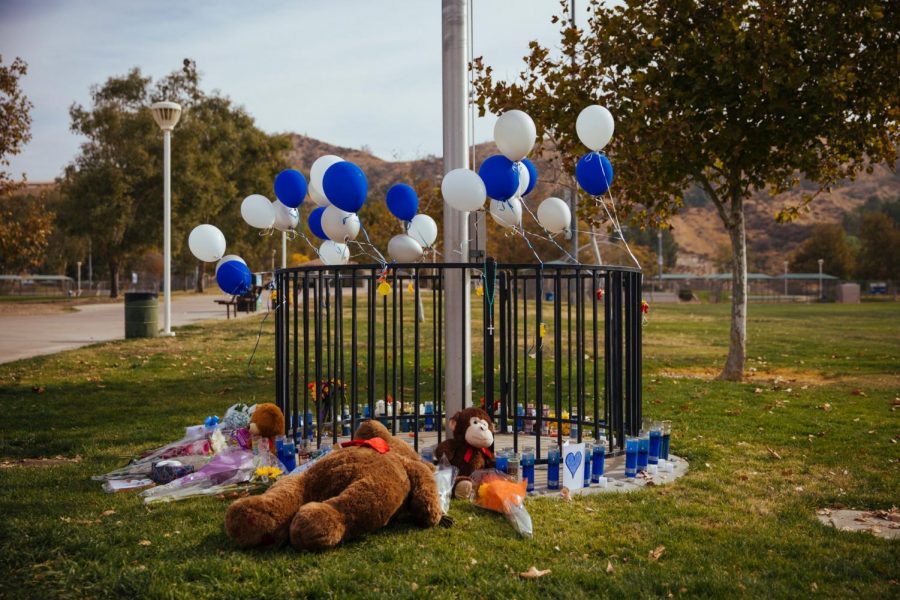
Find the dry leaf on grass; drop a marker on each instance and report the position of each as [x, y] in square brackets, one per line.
[773, 453]
[609, 567]
[145, 543]
[534, 573]
[656, 553]
[107, 513]
[826, 407]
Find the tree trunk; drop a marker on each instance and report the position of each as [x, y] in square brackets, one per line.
[734, 365]
[201, 274]
[113, 279]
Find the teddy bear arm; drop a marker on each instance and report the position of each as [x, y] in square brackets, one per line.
[424, 501]
[264, 520]
[446, 448]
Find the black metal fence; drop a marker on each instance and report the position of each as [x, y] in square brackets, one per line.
[556, 349]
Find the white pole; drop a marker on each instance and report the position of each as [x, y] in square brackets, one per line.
[167, 232]
[821, 262]
[458, 321]
[79, 278]
[283, 250]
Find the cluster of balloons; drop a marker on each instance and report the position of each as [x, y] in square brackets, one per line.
[594, 127]
[339, 188]
[421, 230]
[504, 178]
[207, 243]
[508, 177]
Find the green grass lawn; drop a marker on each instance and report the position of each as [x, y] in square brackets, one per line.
[741, 523]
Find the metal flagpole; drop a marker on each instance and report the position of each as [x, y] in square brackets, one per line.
[458, 335]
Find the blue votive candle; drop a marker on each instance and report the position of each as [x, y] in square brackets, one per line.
[553, 468]
[666, 432]
[598, 466]
[502, 461]
[588, 451]
[528, 468]
[631, 456]
[655, 440]
[643, 450]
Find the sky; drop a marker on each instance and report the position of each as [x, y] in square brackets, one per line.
[349, 72]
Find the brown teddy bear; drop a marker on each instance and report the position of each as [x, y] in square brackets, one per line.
[351, 491]
[469, 448]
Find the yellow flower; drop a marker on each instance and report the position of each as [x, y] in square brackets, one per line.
[270, 472]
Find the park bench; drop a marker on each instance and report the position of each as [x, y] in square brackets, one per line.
[241, 302]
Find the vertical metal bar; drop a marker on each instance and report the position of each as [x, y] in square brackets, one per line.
[416, 345]
[596, 350]
[539, 351]
[514, 349]
[337, 389]
[370, 374]
[354, 369]
[280, 395]
[440, 407]
[569, 340]
[579, 352]
[504, 345]
[320, 302]
[632, 351]
[397, 291]
[557, 354]
[295, 301]
[295, 425]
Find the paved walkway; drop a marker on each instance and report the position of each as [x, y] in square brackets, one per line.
[24, 336]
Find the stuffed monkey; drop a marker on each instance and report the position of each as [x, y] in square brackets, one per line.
[469, 448]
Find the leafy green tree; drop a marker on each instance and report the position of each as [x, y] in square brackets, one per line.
[15, 118]
[879, 255]
[733, 97]
[25, 229]
[829, 243]
[113, 189]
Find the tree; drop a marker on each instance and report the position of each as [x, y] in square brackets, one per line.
[734, 97]
[879, 255]
[829, 243]
[113, 189]
[25, 229]
[15, 118]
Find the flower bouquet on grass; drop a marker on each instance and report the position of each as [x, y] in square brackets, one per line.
[501, 493]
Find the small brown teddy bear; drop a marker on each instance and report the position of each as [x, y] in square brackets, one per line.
[469, 448]
[351, 491]
[267, 421]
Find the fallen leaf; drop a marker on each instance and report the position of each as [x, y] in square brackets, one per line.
[858, 393]
[413, 586]
[533, 573]
[609, 567]
[655, 554]
[773, 453]
[38, 389]
[145, 543]
[813, 586]
[826, 407]
[107, 513]
[472, 561]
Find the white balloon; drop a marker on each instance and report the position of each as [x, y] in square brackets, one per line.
[507, 213]
[228, 257]
[404, 249]
[524, 178]
[207, 243]
[317, 171]
[463, 190]
[554, 215]
[514, 134]
[258, 211]
[340, 225]
[594, 127]
[286, 219]
[334, 253]
[317, 196]
[423, 229]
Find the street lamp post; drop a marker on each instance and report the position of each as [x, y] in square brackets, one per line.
[821, 262]
[166, 115]
[79, 278]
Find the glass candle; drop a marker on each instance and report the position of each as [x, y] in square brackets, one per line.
[643, 450]
[502, 459]
[588, 453]
[520, 413]
[429, 416]
[655, 442]
[631, 456]
[528, 468]
[598, 466]
[665, 433]
[512, 467]
[427, 453]
[553, 468]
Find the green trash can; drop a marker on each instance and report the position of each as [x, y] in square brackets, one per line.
[141, 310]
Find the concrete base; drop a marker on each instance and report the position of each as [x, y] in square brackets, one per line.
[885, 525]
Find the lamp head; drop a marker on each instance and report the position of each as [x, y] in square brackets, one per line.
[166, 114]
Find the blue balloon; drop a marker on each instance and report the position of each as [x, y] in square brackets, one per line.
[532, 176]
[500, 176]
[594, 173]
[290, 187]
[402, 201]
[234, 277]
[345, 186]
[315, 223]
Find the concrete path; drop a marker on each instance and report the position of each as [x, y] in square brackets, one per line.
[24, 336]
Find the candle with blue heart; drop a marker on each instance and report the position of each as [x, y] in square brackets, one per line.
[573, 461]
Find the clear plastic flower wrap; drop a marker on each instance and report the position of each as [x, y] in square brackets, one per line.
[501, 493]
[444, 477]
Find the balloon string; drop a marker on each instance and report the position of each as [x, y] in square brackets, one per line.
[614, 217]
[549, 238]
